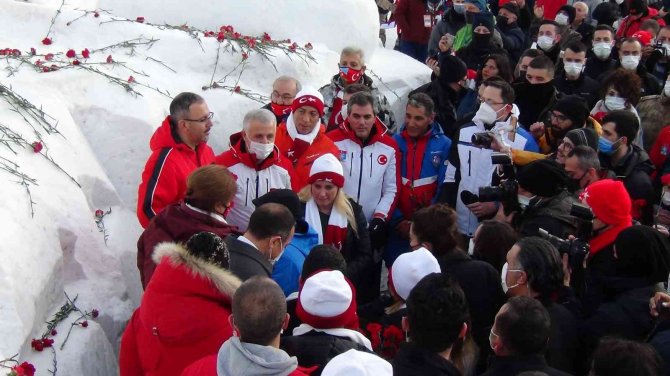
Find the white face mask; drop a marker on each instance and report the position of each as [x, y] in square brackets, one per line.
[545, 42]
[666, 49]
[615, 103]
[274, 261]
[261, 151]
[471, 246]
[487, 114]
[562, 19]
[602, 50]
[503, 278]
[573, 69]
[666, 89]
[630, 62]
[524, 201]
[619, 2]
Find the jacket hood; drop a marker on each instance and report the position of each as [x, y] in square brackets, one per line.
[379, 131]
[238, 358]
[239, 150]
[225, 282]
[302, 242]
[164, 138]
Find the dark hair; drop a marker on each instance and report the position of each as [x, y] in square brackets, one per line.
[506, 91]
[531, 52]
[180, 105]
[602, 27]
[356, 88]
[542, 264]
[523, 325]
[209, 185]
[503, 65]
[494, 239]
[271, 219]
[436, 311]
[627, 83]
[259, 310]
[620, 357]
[322, 257]
[436, 224]
[543, 62]
[576, 47]
[586, 156]
[552, 22]
[361, 99]
[422, 100]
[650, 24]
[625, 124]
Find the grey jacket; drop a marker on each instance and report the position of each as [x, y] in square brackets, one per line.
[237, 358]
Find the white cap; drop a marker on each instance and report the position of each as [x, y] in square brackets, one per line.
[326, 294]
[409, 268]
[355, 363]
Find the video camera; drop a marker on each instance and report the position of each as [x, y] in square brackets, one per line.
[507, 191]
[482, 139]
[576, 249]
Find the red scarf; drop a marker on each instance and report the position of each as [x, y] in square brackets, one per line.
[608, 237]
[336, 230]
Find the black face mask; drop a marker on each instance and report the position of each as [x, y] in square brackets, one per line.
[501, 21]
[469, 16]
[522, 75]
[481, 40]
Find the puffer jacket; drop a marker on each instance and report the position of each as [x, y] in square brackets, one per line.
[182, 316]
[287, 270]
[551, 214]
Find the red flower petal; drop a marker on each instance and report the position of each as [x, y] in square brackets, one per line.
[46, 41]
[140, 19]
[86, 53]
[84, 324]
[70, 53]
[220, 36]
[33, 51]
[237, 89]
[109, 59]
[48, 57]
[96, 14]
[37, 146]
[131, 79]
[75, 62]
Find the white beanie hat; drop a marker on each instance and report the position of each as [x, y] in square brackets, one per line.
[327, 167]
[327, 300]
[409, 268]
[357, 363]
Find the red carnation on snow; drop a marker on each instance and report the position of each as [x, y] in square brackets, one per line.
[293, 47]
[75, 62]
[48, 57]
[237, 89]
[308, 46]
[37, 145]
[96, 14]
[86, 53]
[33, 51]
[70, 53]
[99, 213]
[23, 369]
[266, 37]
[220, 36]
[140, 19]
[47, 342]
[37, 345]
[46, 41]
[131, 79]
[53, 332]
[95, 313]
[245, 56]
[109, 59]
[38, 63]
[84, 324]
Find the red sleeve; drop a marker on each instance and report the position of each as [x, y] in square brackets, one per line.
[159, 186]
[203, 367]
[657, 158]
[400, 15]
[129, 357]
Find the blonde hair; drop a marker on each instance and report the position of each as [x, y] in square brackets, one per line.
[341, 203]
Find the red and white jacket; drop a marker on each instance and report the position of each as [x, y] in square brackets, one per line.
[253, 181]
[371, 171]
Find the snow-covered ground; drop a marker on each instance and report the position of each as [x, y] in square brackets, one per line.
[103, 140]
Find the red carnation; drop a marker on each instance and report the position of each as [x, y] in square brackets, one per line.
[16, 52]
[237, 89]
[109, 59]
[84, 324]
[86, 53]
[36, 344]
[308, 46]
[38, 63]
[24, 369]
[48, 57]
[75, 62]
[140, 19]
[37, 146]
[33, 51]
[54, 332]
[245, 56]
[266, 37]
[99, 213]
[95, 313]
[236, 35]
[47, 342]
[220, 36]
[70, 53]
[45, 69]
[131, 79]
[252, 43]
[46, 41]
[96, 14]
[293, 47]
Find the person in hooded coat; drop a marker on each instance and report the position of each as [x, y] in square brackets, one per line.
[482, 44]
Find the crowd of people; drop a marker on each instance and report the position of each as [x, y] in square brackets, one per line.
[515, 222]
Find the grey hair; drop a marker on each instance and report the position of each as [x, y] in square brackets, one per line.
[352, 50]
[298, 85]
[179, 107]
[262, 115]
[587, 157]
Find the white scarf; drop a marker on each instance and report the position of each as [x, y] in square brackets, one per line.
[216, 216]
[338, 332]
[293, 131]
[337, 219]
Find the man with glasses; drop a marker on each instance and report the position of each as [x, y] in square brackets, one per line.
[178, 147]
[284, 90]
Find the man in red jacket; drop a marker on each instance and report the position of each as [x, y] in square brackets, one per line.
[178, 147]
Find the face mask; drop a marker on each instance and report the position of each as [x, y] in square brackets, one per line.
[471, 246]
[666, 89]
[614, 103]
[577, 181]
[487, 114]
[524, 201]
[606, 146]
[350, 75]
[630, 62]
[481, 40]
[501, 20]
[274, 261]
[545, 42]
[602, 50]
[261, 151]
[619, 2]
[503, 278]
[573, 69]
[666, 49]
[459, 8]
[562, 19]
[281, 109]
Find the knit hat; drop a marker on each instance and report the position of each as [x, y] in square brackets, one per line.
[483, 19]
[481, 4]
[284, 197]
[512, 8]
[452, 69]
[583, 136]
[308, 96]
[543, 177]
[644, 37]
[409, 268]
[357, 363]
[574, 108]
[327, 168]
[327, 300]
[570, 11]
[609, 201]
[605, 13]
[636, 7]
[209, 247]
[644, 252]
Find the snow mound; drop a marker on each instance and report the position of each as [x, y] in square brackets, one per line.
[104, 120]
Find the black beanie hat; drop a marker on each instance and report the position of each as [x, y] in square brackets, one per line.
[483, 19]
[452, 69]
[570, 10]
[583, 136]
[574, 108]
[605, 13]
[512, 8]
[636, 7]
[284, 197]
[209, 247]
[544, 177]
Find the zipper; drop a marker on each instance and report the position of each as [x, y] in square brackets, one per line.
[413, 163]
[469, 162]
[246, 196]
[360, 178]
[370, 164]
[351, 164]
[256, 184]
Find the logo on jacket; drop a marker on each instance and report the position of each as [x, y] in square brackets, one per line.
[436, 160]
[382, 160]
[664, 150]
[343, 156]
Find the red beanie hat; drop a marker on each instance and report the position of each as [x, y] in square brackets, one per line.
[308, 96]
[327, 167]
[327, 300]
[609, 201]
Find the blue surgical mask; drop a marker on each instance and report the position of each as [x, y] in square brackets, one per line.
[606, 146]
[459, 8]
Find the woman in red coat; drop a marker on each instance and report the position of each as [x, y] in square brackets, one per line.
[184, 311]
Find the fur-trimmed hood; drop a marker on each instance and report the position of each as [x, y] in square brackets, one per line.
[225, 281]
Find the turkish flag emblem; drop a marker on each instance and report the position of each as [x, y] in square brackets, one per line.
[382, 159]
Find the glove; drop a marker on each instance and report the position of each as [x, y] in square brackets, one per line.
[377, 230]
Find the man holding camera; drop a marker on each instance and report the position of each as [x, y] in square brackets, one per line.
[657, 61]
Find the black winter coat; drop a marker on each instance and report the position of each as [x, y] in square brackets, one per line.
[650, 85]
[514, 365]
[595, 67]
[446, 102]
[514, 40]
[563, 346]
[245, 260]
[474, 57]
[585, 86]
[551, 214]
[317, 348]
[414, 361]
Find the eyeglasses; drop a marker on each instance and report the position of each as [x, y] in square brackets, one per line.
[203, 119]
[286, 97]
[558, 117]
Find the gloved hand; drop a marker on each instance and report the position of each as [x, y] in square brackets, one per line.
[377, 230]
